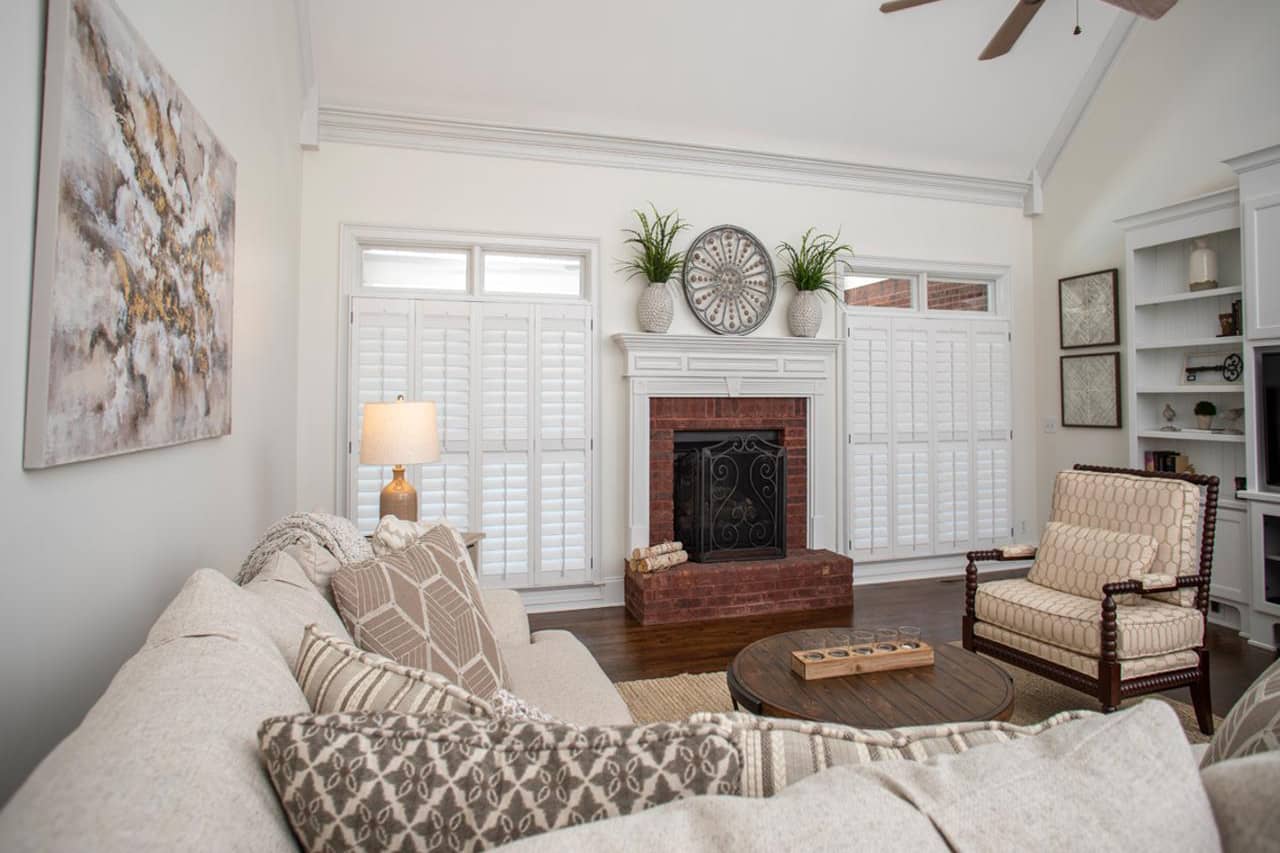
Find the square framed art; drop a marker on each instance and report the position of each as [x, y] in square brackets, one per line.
[1090, 390]
[1089, 310]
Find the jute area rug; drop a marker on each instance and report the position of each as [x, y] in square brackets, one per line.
[655, 699]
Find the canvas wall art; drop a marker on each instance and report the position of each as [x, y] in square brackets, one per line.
[1089, 310]
[130, 343]
[1090, 390]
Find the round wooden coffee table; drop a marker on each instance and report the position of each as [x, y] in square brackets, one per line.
[960, 686]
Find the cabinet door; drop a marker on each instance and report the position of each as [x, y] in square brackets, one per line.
[1231, 558]
[1261, 224]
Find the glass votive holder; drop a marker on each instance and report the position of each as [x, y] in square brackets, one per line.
[862, 637]
[886, 639]
[909, 636]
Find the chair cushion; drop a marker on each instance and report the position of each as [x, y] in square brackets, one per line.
[1166, 510]
[1080, 560]
[1075, 623]
[1253, 725]
[421, 607]
[1086, 664]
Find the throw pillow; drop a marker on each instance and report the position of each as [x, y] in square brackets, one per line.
[776, 753]
[1079, 560]
[393, 534]
[421, 608]
[1253, 723]
[288, 602]
[336, 676]
[1243, 794]
[444, 782]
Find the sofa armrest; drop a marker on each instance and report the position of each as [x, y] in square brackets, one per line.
[507, 616]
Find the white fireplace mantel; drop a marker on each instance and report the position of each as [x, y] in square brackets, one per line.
[723, 366]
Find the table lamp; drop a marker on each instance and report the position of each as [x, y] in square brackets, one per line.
[399, 433]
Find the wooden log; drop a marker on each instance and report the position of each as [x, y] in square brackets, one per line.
[646, 565]
[655, 550]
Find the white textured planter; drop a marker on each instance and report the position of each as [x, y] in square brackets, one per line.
[805, 314]
[1204, 421]
[655, 308]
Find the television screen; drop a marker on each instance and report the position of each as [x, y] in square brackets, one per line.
[1269, 422]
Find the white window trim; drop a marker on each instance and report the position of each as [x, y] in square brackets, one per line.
[919, 272]
[354, 238]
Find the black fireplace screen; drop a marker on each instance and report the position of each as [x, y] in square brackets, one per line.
[730, 494]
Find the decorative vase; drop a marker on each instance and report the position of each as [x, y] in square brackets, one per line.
[1204, 421]
[805, 314]
[1202, 271]
[656, 308]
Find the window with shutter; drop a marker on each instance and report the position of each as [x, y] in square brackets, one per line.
[444, 376]
[382, 331]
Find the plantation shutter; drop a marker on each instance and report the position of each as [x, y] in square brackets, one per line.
[993, 442]
[561, 490]
[912, 432]
[506, 441]
[867, 358]
[952, 453]
[445, 366]
[381, 332]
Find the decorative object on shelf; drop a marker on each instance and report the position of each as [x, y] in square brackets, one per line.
[1233, 419]
[1227, 325]
[1089, 310]
[728, 280]
[1090, 390]
[1226, 362]
[811, 269]
[1170, 414]
[1202, 270]
[1237, 315]
[657, 262]
[1204, 414]
[131, 296]
[399, 433]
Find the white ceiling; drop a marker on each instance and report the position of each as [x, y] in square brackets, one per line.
[822, 78]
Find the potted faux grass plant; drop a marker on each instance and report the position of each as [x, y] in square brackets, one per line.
[811, 269]
[657, 262]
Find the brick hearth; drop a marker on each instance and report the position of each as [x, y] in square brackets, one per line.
[803, 580]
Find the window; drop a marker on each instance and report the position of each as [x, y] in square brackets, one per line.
[508, 359]
[869, 291]
[917, 291]
[944, 295]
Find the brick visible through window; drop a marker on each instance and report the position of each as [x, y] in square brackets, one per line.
[958, 296]
[886, 293]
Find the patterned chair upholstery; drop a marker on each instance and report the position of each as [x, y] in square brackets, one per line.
[1126, 636]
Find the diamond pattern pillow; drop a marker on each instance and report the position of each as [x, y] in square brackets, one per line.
[1079, 560]
[367, 782]
[421, 608]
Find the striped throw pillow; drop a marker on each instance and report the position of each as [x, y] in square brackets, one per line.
[776, 753]
[337, 676]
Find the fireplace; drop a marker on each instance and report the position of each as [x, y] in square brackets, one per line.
[730, 495]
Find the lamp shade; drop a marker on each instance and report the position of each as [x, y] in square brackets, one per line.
[399, 433]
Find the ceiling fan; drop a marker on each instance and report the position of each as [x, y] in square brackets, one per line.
[1002, 42]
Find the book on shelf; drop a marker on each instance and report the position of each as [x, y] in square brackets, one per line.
[1170, 461]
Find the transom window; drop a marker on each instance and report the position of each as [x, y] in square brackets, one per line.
[474, 270]
[917, 291]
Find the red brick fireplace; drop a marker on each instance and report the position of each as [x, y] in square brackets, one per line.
[802, 580]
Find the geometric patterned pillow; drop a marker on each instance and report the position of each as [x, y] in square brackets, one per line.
[1079, 560]
[776, 752]
[1253, 723]
[400, 782]
[421, 608]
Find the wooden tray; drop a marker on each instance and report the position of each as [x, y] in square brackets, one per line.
[836, 661]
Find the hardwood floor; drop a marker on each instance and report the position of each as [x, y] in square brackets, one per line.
[628, 650]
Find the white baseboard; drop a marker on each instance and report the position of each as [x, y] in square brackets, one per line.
[924, 569]
[606, 594]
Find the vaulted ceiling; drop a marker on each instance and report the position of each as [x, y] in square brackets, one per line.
[823, 78]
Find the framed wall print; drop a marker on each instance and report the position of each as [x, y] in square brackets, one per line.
[1089, 310]
[1090, 390]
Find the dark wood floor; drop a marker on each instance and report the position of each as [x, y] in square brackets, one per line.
[628, 650]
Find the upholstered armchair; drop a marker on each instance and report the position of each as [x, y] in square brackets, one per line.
[1115, 604]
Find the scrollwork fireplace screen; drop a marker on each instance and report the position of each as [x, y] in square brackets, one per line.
[730, 494]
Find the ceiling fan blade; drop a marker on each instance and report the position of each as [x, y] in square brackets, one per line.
[1150, 9]
[899, 5]
[1002, 42]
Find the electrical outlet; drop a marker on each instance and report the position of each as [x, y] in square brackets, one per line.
[1050, 424]
[1022, 526]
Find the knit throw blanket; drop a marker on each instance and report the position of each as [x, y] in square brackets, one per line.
[335, 534]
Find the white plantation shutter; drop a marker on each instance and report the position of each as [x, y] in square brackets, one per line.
[867, 357]
[506, 366]
[381, 369]
[911, 430]
[445, 363]
[993, 444]
[952, 453]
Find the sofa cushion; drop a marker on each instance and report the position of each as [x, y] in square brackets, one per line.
[1074, 623]
[556, 673]
[421, 608]
[1253, 724]
[1079, 560]
[1243, 792]
[1166, 510]
[441, 781]
[776, 752]
[167, 759]
[288, 602]
[336, 676]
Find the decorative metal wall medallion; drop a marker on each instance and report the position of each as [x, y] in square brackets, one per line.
[728, 280]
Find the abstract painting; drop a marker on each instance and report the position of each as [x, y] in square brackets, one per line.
[1089, 310]
[130, 343]
[1091, 390]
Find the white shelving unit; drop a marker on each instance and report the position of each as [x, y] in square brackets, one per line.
[1165, 321]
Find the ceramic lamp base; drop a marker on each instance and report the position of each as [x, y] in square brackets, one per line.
[399, 498]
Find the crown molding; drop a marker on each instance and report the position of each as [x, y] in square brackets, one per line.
[1228, 199]
[1259, 159]
[401, 130]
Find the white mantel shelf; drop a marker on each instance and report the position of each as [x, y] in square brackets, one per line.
[736, 366]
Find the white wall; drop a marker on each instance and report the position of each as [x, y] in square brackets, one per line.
[1198, 86]
[93, 551]
[388, 186]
